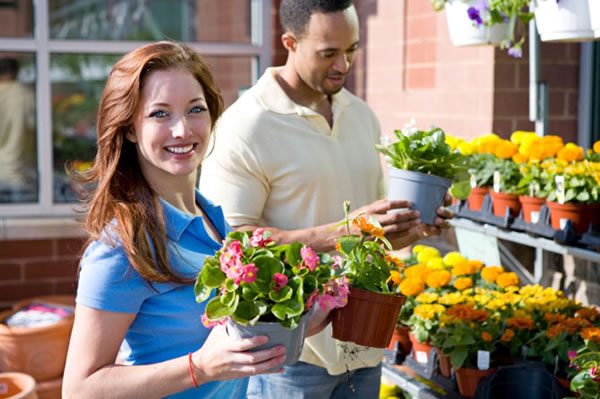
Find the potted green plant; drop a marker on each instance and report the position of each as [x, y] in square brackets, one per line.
[481, 169]
[373, 305]
[422, 168]
[507, 176]
[267, 289]
[586, 383]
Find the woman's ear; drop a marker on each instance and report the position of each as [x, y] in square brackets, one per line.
[130, 135]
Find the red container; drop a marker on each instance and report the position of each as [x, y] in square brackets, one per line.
[476, 197]
[531, 207]
[501, 201]
[445, 365]
[368, 319]
[468, 379]
[421, 350]
[582, 215]
[401, 335]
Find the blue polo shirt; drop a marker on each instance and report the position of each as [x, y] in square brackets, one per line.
[167, 322]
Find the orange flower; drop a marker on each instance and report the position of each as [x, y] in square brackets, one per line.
[555, 330]
[554, 317]
[395, 276]
[597, 147]
[486, 336]
[438, 278]
[491, 273]
[589, 313]
[519, 158]
[412, 286]
[367, 227]
[570, 152]
[591, 333]
[506, 280]
[522, 323]
[389, 258]
[338, 247]
[507, 336]
[463, 283]
[505, 149]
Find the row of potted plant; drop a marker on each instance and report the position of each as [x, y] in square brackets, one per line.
[501, 22]
[528, 171]
[479, 318]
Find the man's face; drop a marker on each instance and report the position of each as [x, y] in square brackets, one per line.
[326, 50]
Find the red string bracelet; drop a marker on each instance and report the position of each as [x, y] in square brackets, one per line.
[192, 370]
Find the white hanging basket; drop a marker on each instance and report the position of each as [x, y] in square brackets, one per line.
[462, 30]
[595, 16]
[565, 21]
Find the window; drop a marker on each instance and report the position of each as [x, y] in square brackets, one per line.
[63, 51]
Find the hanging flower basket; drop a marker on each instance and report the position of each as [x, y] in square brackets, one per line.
[595, 16]
[368, 319]
[463, 31]
[564, 20]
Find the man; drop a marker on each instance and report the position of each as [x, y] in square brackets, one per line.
[288, 153]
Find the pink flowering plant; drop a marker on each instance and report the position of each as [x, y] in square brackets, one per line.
[257, 280]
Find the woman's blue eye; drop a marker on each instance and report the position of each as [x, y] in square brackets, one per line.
[197, 109]
[158, 114]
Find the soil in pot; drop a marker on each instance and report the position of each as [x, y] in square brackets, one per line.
[368, 319]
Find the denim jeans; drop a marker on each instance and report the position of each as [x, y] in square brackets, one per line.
[303, 380]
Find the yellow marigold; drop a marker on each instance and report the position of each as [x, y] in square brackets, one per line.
[412, 286]
[486, 336]
[507, 279]
[496, 304]
[466, 148]
[453, 142]
[596, 147]
[507, 336]
[436, 264]
[438, 278]
[452, 258]
[518, 136]
[451, 298]
[570, 152]
[426, 254]
[463, 283]
[427, 311]
[505, 149]
[395, 276]
[367, 227]
[491, 273]
[519, 158]
[427, 297]
[418, 248]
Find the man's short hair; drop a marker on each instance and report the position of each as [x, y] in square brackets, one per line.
[9, 66]
[295, 14]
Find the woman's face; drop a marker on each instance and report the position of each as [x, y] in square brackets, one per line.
[172, 125]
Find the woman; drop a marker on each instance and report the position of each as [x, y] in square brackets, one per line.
[150, 231]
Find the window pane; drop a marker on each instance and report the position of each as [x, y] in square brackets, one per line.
[76, 82]
[16, 18]
[181, 20]
[18, 139]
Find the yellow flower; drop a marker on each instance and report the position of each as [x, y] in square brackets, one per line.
[412, 286]
[505, 149]
[453, 142]
[491, 273]
[518, 136]
[426, 254]
[596, 147]
[418, 248]
[452, 258]
[519, 158]
[507, 279]
[466, 148]
[438, 278]
[451, 298]
[419, 271]
[428, 312]
[436, 264]
[427, 297]
[570, 152]
[463, 283]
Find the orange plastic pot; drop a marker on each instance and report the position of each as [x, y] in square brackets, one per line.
[531, 207]
[444, 363]
[400, 335]
[501, 201]
[368, 319]
[420, 349]
[49, 389]
[468, 379]
[476, 197]
[17, 386]
[582, 215]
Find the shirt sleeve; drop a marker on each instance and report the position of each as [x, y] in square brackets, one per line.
[108, 282]
[233, 178]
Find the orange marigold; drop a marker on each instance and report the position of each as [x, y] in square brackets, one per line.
[367, 227]
[505, 280]
[438, 278]
[412, 286]
[394, 259]
[395, 276]
[507, 336]
[597, 147]
[591, 333]
[519, 158]
[491, 273]
[554, 317]
[463, 283]
[555, 330]
[505, 149]
[522, 323]
[486, 336]
[570, 152]
[589, 313]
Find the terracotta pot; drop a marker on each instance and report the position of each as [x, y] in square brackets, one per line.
[49, 389]
[400, 336]
[38, 351]
[501, 201]
[420, 349]
[531, 207]
[17, 386]
[467, 380]
[582, 215]
[368, 319]
[476, 197]
[445, 365]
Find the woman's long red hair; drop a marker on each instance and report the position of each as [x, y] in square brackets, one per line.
[122, 199]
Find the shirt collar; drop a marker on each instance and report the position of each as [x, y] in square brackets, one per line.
[274, 98]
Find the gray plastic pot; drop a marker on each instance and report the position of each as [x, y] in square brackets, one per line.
[426, 192]
[293, 340]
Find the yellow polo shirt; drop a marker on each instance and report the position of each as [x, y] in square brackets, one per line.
[277, 163]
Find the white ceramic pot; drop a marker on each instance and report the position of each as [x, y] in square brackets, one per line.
[595, 16]
[565, 21]
[462, 30]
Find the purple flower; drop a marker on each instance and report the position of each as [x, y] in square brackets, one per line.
[515, 52]
[474, 15]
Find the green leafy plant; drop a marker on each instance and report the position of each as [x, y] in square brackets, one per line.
[533, 181]
[257, 280]
[481, 169]
[510, 175]
[586, 383]
[580, 181]
[427, 152]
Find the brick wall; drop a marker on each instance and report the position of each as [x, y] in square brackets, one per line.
[37, 267]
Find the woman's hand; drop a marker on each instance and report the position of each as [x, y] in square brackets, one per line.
[225, 358]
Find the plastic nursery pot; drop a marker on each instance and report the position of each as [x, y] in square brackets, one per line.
[421, 350]
[582, 215]
[17, 386]
[531, 207]
[563, 382]
[445, 365]
[400, 337]
[426, 192]
[563, 21]
[476, 197]
[468, 379]
[501, 201]
[368, 319]
[38, 351]
[293, 340]
[462, 30]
